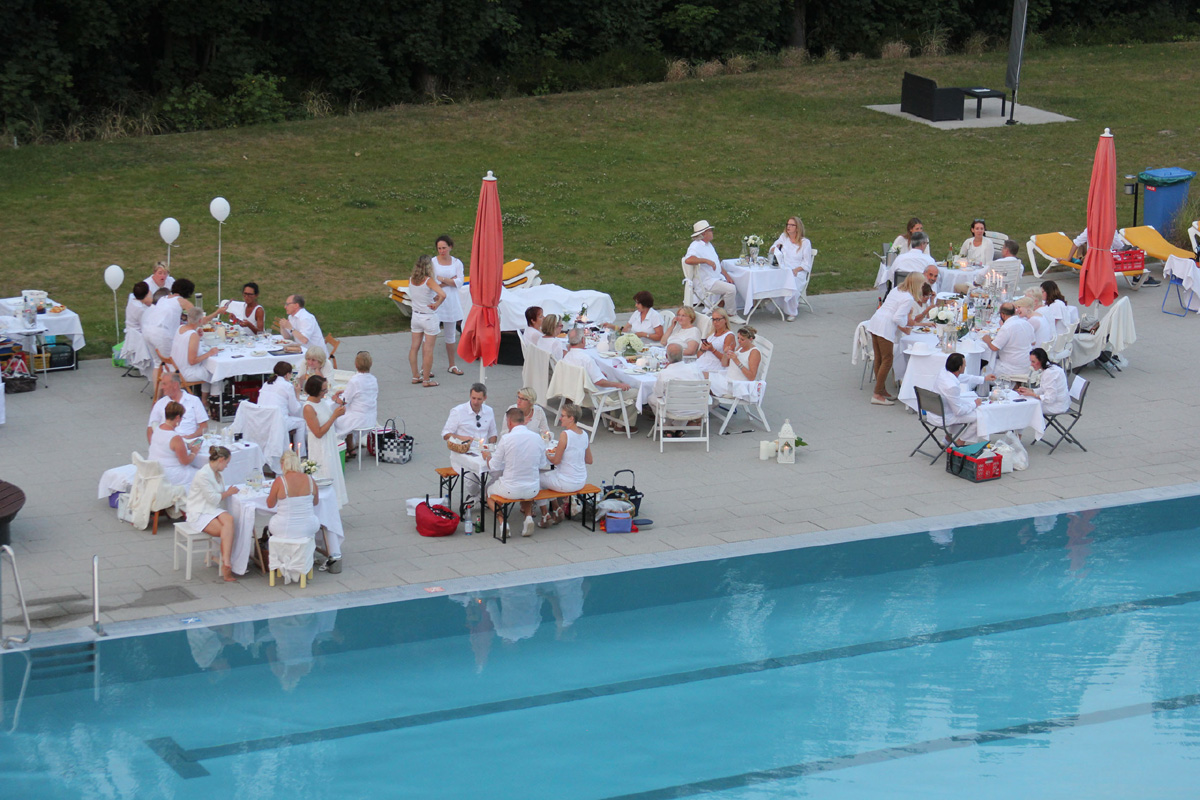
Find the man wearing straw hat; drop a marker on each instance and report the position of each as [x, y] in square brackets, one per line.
[709, 273]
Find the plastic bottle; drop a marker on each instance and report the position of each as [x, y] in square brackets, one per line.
[468, 525]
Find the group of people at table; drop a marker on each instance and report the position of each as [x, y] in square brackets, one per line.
[1016, 352]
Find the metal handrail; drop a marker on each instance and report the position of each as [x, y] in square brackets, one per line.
[9, 641]
[96, 626]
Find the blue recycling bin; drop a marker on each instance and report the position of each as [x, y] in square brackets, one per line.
[1165, 190]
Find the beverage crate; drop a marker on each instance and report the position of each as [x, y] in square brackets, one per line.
[974, 468]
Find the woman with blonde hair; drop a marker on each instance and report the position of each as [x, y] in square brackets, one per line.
[204, 506]
[552, 340]
[316, 362]
[426, 297]
[361, 399]
[295, 522]
[900, 309]
[570, 458]
[683, 333]
[711, 348]
[793, 251]
[535, 418]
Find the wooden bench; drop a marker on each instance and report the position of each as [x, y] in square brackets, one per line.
[12, 500]
[448, 478]
[587, 500]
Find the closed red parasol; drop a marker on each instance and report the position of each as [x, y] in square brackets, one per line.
[481, 330]
[1096, 278]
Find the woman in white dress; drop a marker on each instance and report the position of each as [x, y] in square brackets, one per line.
[361, 400]
[902, 244]
[1043, 329]
[683, 333]
[793, 251]
[741, 366]
[316, 362]
[1052, 389]
[169, 449]
[448, 272]
[552, 340]
[1055, 308]
[645, 321]
[535, 418]
[185, 352]
[278, 392]
[204, 506]
[977, 249]
[426, 297]
[711, 348]
[320, 415]
[570, 458]
[294, 526]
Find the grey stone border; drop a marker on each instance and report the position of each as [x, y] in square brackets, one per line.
[225, 616]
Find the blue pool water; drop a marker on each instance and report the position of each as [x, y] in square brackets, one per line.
[1041, 658]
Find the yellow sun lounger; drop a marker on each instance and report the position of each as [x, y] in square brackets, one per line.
[515, 274]
[1146, 238]
[1054, 248]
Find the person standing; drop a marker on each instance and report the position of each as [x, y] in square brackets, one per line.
[448, 272]
[426, 296]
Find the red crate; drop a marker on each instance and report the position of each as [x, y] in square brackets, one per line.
[1129, 261]
[977, 469]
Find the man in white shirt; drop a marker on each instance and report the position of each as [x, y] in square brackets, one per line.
[467, 422]
[159, 279]
[676, 370]
[960, 407]
[915, 260]
[1012, 344]
[709, 274]
[1009, 265]
[300, 325]
[195, 415]
[577, 354]
[520, 456]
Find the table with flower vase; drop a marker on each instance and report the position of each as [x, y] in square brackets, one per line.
[249, 503]
[759, 281]
[924, 335]
[948, 278]
[617, 368]
[925, 362]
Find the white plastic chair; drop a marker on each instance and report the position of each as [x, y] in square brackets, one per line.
[151, 494]
[695, 295]
[756, 413]
[571, 383]
[189, 540]
[862, 348]
[536, 372]
[683, 402]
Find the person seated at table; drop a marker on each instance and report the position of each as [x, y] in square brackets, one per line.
[278, 392]
[903, 243]
[1009, 265]
[135, 307]
[361, 401]
[320, 414]
[895, 316]
[468, 422]
[709, 275]
[645, 321]
[743, 362]
[977, 248]
[316, 362]
[676, 370]
[793, 251]
[195, 413]
[682, 332]
[295, 496]
[571, 456]
[931, 278]
[253, 317]
[168, 448]
[188, 357]
[426, 296]
[916, 258]
[1052, 386]
[535, 417]
[577, 355]
[1011, 344]
[136, 351]
[960, 406]
[552, 340]
[1054, 307]
[160, 278]
[533, 325]
[300, 326]
[1043, 329]
[520, 456]
[709, 359]
[205, 506]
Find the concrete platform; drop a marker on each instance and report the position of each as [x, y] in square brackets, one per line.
[856, 474]
[990, 116]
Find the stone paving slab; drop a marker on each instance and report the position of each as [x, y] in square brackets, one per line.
[855, 472]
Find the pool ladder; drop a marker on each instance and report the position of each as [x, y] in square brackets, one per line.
[9, 641]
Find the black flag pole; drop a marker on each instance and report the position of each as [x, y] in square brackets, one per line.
[1016, 50]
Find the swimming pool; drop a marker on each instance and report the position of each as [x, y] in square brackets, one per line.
[1042, 657]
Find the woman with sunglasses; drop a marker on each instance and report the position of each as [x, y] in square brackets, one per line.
[977, 249]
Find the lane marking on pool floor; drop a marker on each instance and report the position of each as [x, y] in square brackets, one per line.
[186, 762]
[885, 754]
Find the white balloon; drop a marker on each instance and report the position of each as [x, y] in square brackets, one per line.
[219, 208]
[168, 229]
[114, 276]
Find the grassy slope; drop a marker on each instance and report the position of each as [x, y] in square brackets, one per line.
[600, 188]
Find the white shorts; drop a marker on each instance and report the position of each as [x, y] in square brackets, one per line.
[514, 492]
[427, 324]
[450, 332]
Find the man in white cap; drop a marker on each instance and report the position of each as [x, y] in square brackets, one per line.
[709, 273]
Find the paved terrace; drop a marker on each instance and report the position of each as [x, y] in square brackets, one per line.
[856, 472]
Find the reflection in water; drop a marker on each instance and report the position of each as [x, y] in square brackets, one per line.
[745, 611]
[1079, 542]
[295, 638]
[515, 613]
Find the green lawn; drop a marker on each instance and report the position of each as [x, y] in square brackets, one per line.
[598, 188]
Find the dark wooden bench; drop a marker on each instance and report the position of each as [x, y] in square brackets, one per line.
[921, 97]
[12, 500]
[449, 477]
[502, 507]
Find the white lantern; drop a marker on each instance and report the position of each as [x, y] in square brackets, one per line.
[786, 443]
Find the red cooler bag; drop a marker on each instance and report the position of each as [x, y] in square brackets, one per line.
[436, 520]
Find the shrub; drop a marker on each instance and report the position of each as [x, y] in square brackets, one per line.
[736, 65]
[977, 44]
[895, 50]
[190, 109]
[794, 57]
[832, 55]
[935, 42]
[316, 104]
[855, 57]
[710, 69]
[257, 98]
[678, 70]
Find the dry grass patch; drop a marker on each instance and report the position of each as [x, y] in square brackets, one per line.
[893, 51]
[678, 70]
[794, 57]
[710, 69]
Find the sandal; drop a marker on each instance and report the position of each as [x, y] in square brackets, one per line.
[418, 380]
[429, 384]
[455, 371]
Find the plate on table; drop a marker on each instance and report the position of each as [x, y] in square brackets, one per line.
[323, 481]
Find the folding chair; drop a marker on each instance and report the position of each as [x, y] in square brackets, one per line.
[167, 365]
[684, 402]
[756, 413]
[930, 404]
[1194, 236]
[571, 383]
[1181, 273]
[695, 295]
[1079, 388]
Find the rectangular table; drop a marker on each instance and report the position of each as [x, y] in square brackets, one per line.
[66, 323]
[980, 94]
[246, 505]
[241, 359]
[1014, 414]
[758, 283]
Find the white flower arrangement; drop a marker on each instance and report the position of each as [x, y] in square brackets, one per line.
[943, 315]
[309, 466]
[753, 240]
[628, 344]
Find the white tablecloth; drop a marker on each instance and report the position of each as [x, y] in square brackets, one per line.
[1011, 415]
[245, 506]
[923, 370]
[552, 299]
[65, 323]
[234, 360]
[947, 278]
[243, 457]
[616, 368]
[758, 283]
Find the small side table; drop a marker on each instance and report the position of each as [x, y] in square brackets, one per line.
[982, 94]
